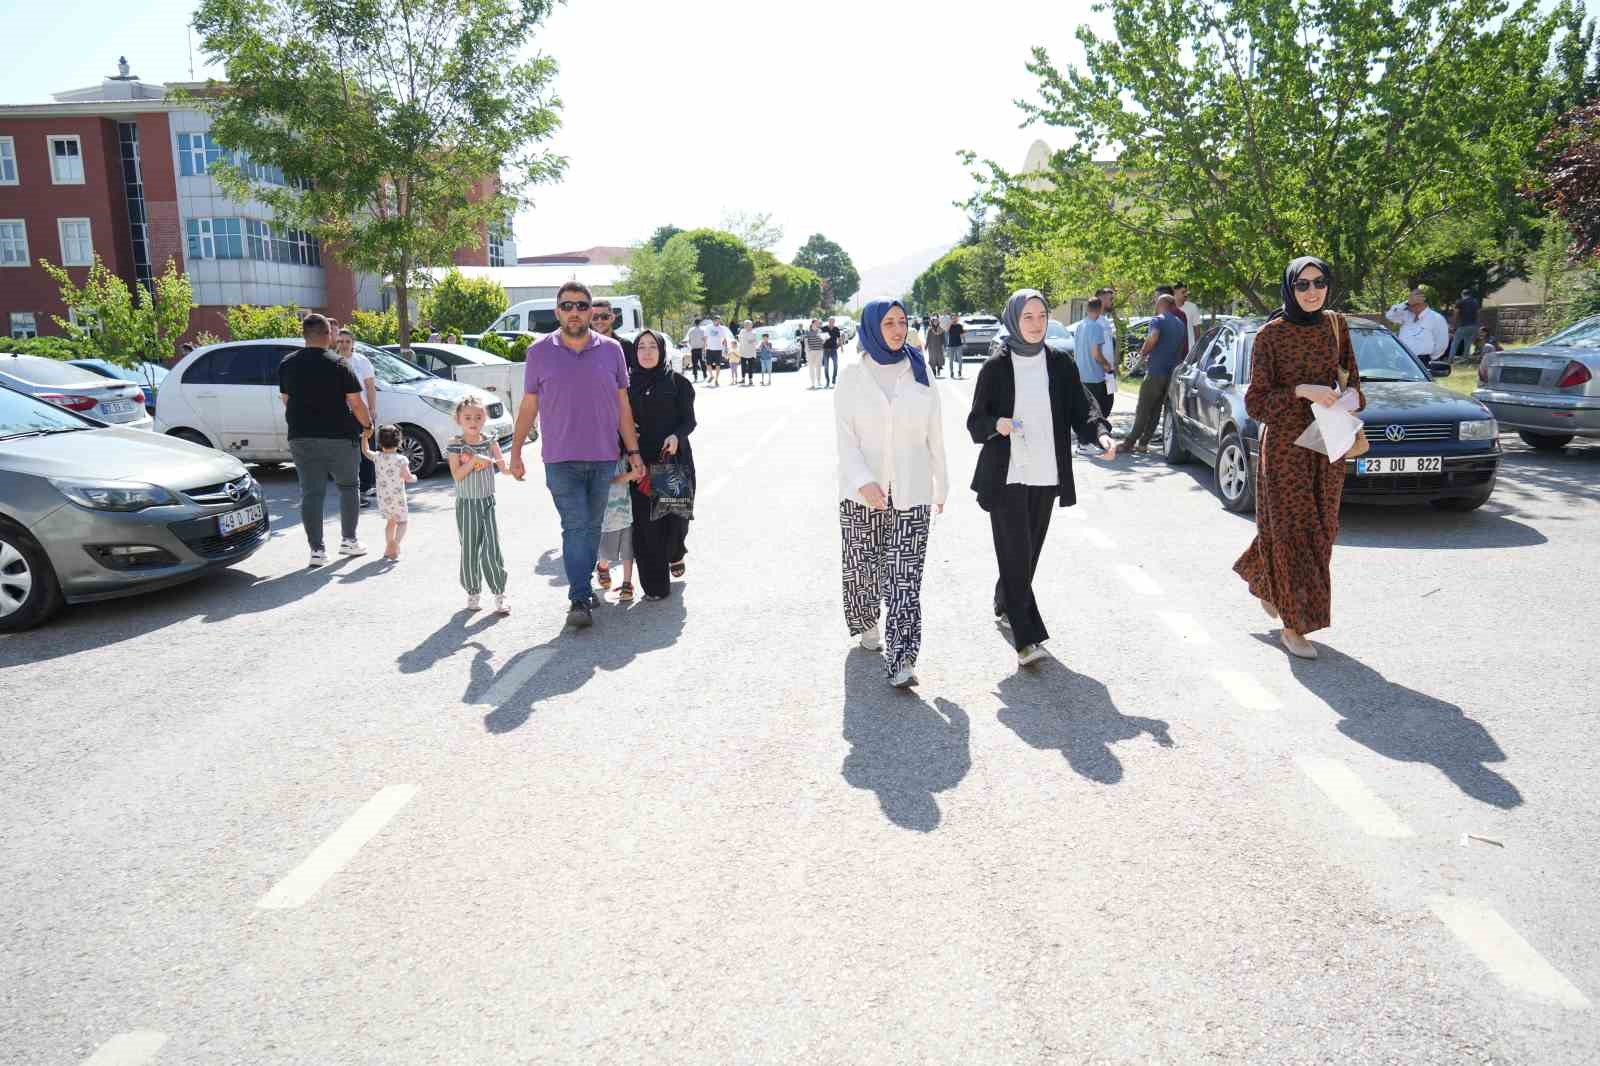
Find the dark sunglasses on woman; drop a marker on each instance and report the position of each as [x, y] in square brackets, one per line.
[1307, 284]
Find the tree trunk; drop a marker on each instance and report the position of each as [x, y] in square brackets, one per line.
[402, 303]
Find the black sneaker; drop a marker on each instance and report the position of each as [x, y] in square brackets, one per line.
[579, 615]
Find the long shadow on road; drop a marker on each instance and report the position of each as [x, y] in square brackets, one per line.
[1406, 725]
[1053, 708]
[901, 747]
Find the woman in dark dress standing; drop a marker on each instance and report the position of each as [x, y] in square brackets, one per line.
[663, 409]
[1026, 405]
[1302, 356]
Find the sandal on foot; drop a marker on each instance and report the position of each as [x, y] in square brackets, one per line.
[625, 591]
[602, 576]
[678, 568]
[1297, 645]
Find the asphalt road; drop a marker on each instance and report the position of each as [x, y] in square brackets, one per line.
[285, 816]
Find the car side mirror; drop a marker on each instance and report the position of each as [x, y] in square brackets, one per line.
[1440, 369]
[1219, 373]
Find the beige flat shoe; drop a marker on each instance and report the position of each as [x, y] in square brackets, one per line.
[1266, 605]
[1296, 645]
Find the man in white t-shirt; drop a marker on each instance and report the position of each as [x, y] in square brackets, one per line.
[1424, 331]
[718, 340]
[361, 366]
[695, 341]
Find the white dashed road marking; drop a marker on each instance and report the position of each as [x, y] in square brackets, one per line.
[1185, 627]
[1138, 580]
[332, 854]
[1246, 690]
[127, 1049]
[1502, 949]
[1352, 796]
[516, 675]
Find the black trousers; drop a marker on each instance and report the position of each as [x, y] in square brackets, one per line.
[1103, 398]
[656, 545]
[697, 361]
[1020, 521]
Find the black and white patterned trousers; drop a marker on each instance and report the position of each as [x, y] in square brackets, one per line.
[884, 552]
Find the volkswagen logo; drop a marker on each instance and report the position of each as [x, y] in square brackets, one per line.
[1395, 433]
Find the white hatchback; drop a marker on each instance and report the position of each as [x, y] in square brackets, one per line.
[225, 396]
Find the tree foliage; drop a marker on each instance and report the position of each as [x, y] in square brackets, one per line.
[459, 304]
[666, 279]
[391, 116]
[375, 327]
[663, 234]
[1569, 176]
[248, 323]
[1214, 140]
[832, 264]
[781, 289]
[755, 228]
[125, 327]
[725, 266]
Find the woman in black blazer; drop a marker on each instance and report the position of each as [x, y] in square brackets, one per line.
[1026, 404]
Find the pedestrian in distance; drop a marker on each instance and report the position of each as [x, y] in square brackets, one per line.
[1466, 329]
[935, 347]
[892, 477]
[361, 366]
[616, 533]
[1162, 352]
[1302, 357]
[718, 341]
[749, 346]
[393, 472]
[1091, 345]
[812, 343]
[1424, 331]
[474, 460]
[1026, 404]
[695, 341]
[452, 338]
[952, 344]
[575, 384]
[764, 356]
[831, 334]
[663, 405]
[1180, 296]
[326, 417]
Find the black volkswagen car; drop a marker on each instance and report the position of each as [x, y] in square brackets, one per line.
[1428, 444]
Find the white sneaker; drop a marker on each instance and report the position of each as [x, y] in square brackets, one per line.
[1029, 654]
[472, 602]
[870, 641]
[319, 557]
[906, 675]
[501, 606]
[352, 547]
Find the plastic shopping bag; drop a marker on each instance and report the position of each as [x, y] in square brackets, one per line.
[1333, 429]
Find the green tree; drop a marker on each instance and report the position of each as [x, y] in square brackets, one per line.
[666, 279]
[782, 289]
[663, 234]
[755, 228]
[459, 304]
[123, 327]
[832, 264]
[246, 323]
[391, 117]
[1216, 139]
[376, 327]
[725, 266]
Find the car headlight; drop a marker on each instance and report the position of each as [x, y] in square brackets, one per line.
[113, 495]
[441, 403]
[1480, 429]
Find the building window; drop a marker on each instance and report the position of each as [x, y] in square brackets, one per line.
[497, 247]
[87, 321]
[8, 161]
[199, 234]
[66, 160]
[228, 237]
[23, 325]
[258, 240]
[197, 152]
[77, 250]
[133, 196]
[13, 243]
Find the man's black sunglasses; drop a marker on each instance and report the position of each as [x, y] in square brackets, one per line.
[574, 305]
[1307, 284]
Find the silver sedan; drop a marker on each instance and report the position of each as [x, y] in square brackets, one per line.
[118, 402]
[89, 511]
[1548, 392]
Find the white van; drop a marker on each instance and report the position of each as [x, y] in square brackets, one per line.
[539, 316]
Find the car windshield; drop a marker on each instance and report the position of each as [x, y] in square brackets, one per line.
[389, 369]
[1382, 358]
[106, 370]
[1056, 329]
[36, 370]
[1585, 334]
[24, 414]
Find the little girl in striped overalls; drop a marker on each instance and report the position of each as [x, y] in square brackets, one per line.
[474, 460]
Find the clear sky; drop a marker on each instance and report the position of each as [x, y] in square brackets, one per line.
[838, 116]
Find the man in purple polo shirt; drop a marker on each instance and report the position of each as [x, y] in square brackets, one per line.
[578, 380]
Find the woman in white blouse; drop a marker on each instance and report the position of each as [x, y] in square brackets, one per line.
[892, 476]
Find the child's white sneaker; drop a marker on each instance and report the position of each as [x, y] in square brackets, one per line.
[472, 602]
[500, 605]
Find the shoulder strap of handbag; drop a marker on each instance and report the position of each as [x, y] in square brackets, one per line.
[1341, 339]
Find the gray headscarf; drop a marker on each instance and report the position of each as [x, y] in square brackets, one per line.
[1012, 317]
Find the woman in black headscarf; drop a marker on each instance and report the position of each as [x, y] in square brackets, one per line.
[1302, 356]
[1025, 406]
[663, 409]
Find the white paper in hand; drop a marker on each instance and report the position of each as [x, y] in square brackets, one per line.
[1333, 429]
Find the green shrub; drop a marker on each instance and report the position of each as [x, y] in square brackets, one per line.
[61, 348]
[246, 322]
[375, 327]
[459, 304]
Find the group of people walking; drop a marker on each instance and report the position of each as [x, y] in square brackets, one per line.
[714, 348]
[1028, 404]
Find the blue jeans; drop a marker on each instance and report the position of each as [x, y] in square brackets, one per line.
[580, 490]
[830, 365]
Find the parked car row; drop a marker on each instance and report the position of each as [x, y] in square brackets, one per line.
[74, 388]
[1548, 392]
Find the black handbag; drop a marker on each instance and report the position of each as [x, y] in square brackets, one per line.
[671, 491]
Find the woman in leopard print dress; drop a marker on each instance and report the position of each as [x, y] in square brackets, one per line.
[1299, 359]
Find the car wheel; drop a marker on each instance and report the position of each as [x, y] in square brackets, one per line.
[1172, 449]
[1545, 442]
[1460, 503]
[1236, 482]
[191, 435]
[420, 451]
[29, 591]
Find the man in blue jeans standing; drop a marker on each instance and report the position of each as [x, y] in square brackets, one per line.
[579, 381]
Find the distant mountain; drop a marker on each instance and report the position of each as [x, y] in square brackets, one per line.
[894, 279]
